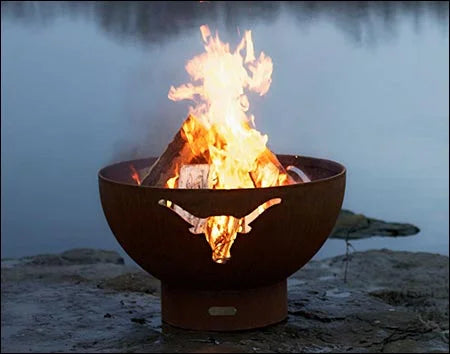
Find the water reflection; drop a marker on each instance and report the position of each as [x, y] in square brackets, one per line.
[155, 22]
[369, 21]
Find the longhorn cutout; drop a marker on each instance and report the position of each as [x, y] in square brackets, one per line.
[199, 223]
[224, 242]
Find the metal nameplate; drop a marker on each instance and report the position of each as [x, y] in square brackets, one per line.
[222, 311]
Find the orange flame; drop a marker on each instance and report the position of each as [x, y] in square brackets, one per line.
[237, 154]
[135, 175]
[221, 107]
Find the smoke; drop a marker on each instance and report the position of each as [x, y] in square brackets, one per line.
[149, 117]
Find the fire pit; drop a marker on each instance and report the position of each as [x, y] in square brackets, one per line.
[250, 289]
[263, 216]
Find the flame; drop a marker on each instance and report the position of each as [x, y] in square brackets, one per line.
[172, 182]
[221, 107]
[220, 232]
[237, 154]
[135, 175]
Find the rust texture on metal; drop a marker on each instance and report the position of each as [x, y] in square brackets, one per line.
[282, 239]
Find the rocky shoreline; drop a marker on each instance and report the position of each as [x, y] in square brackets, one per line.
[86, 300]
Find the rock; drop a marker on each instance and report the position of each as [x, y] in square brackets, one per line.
[91, 256]
[357, 226]
[138, 320]
[137, 281]
[417, 281]
[75, 256]
[391, 302]
[45, 259]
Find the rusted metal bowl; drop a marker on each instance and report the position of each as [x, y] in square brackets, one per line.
[250, 289]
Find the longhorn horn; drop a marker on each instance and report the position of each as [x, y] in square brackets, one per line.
[196, 222]
[257, 212]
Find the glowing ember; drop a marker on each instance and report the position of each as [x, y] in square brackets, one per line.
[135, 175]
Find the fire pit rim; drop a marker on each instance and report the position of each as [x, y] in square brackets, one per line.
[342, 171]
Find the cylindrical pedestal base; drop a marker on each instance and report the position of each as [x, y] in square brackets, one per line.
[223, 310]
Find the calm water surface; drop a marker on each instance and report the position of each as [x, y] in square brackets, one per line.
[85, 84]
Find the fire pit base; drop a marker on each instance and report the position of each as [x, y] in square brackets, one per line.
[224, 310]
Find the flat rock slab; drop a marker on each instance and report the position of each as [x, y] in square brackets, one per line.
[391, 302]
[75, 256]
[357, 226]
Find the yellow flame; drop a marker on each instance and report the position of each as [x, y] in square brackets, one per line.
[171, 182]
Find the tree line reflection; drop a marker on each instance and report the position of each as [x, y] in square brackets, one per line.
[156, 22]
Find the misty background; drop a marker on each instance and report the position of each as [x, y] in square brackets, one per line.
[84, 84]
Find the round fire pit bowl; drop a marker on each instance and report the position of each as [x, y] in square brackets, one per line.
[248, 291]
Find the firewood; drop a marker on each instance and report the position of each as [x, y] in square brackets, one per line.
[178, 152]
[189, 146]
[268, 165]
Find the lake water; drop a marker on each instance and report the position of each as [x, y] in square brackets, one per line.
[85, 84]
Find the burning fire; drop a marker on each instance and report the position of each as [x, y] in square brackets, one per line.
[232, 147]
[220, 133]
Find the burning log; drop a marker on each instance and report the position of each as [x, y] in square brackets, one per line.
[269, 171]
[179, 152]
[190, 146]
